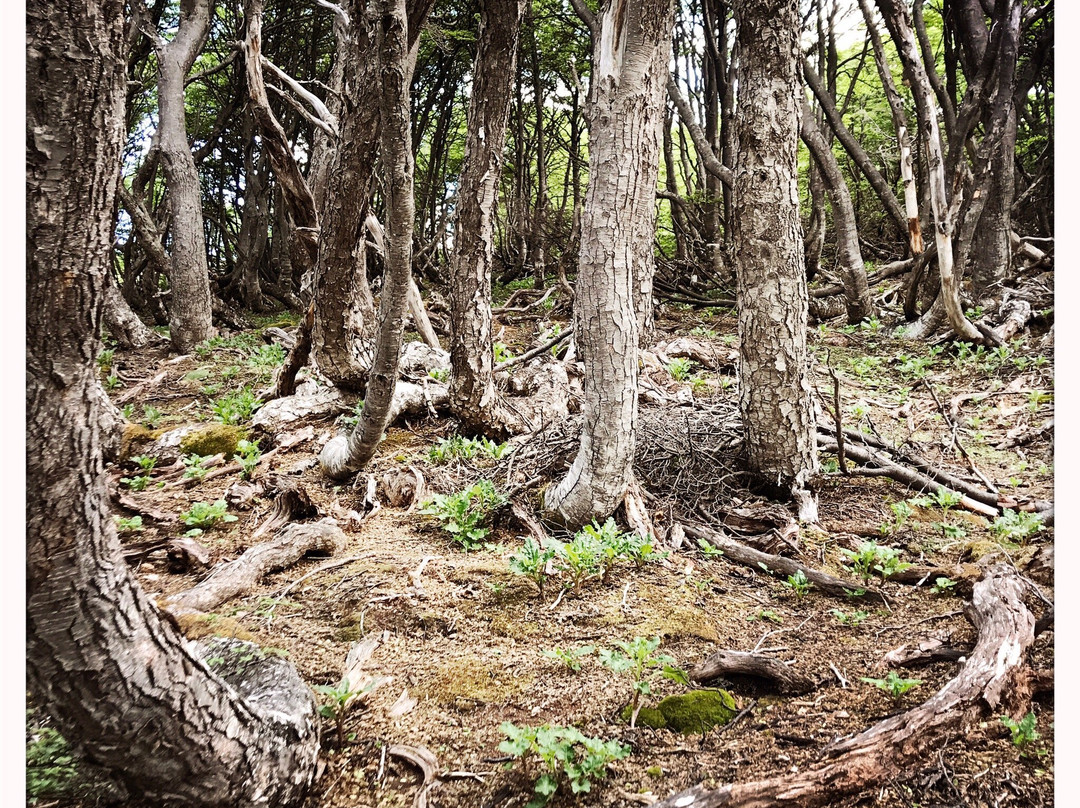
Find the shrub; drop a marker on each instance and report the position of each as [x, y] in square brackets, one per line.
[463, 514]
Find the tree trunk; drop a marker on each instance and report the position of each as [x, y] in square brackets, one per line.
[121, 684]
[630, 61]
[254, 224]
[852, 270]
[341, 457]
[537, 247]
[189, 276]
[472, 387]
[896, 17]
[774, 390]
[124, 324]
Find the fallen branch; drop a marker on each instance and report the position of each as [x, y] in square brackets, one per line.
[525, 357]
[238, 576]
[870, 759]
[725, 663]
[775, 565]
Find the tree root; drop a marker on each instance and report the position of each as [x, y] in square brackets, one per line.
[873, 757]
[238, 576]
[726, 663]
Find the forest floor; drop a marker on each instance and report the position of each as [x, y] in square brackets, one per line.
[462, 641]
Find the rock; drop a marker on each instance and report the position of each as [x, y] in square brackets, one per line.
[693, 713]
[201, 439]
[419, 359]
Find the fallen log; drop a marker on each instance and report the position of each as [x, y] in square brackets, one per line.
[776, 565]
[725, 663]
[872, 758]
[236, 577]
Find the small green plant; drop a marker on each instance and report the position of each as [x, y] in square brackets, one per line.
[871, 323]
[945, 500]
[337, 699]
[564, 751]
[902, 512]
[893, 684]
[570, 658]
[830, 465]
[128, 525]
[680, 368]
[531, 561]
[138, 483]
[105, 359]
[266, 358]
[914, 366]
[766, 614]
[248, 456]
[1023, 732]
[236, 407]
[639, 549]
[943, 586]
[702, 331]
[1016, 526]
[635, 658]
[194, 468]
[502, 353]
[798, 583]
[463, 514]
[457, 447]
[151, 416]
[441, 375]
[872, 557]
[145, 462]
[708, 550]
[112, 381]
[50, 766]
[852, 619]
[581, 558]
[127, 412]
[203, 515]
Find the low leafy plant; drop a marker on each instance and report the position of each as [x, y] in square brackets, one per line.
[943, 586]
[798, 583]
[128, 525]
[204, 515]
[581, 558]
[236, 407]
[194, 468]
[902, 512]
[872, 557]
[564, 751]
[502, 353]
[112, 381]
[893, 685]
[105, 358]
[50, 766]
[531, 561]
[852, 619]
[138, 483]
[571, 658]
[248, 454]
[151, 416]
[766, 614]
[145, 462]
[463, 514]
[337, 699]
[127, 412]
[1018, 526]
[635, 658]
[1023, 732]
[708, 550]
[680, 368]
[640, 549]
[266, 358]
[457, 447]
[439, 374]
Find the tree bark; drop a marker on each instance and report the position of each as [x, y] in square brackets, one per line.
[774, 394]
[121, 684]
[190, 316]
[341, 457]
[472, 385]
[630, 59]
[853, 271]
[123, 323]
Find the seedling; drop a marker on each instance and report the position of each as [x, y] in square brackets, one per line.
[463, 514]
[531, 561]
[456, 447]
[266, 358]
[112, 381]
[145, 462]
[236, 407]
[1016, 525]
[105, 359]
[570, 658]
[338, 699]
[852, 619]
[502, 353]
[563, 750]
[872, 557]
[1023, 732]
[203, 515]
[943, 586]
[248, 456]
[194, 468]
[680, 368]
[708, 550]
[582, 558]
[633, 659]
[151, 416]
[128, 411]
[128, 525]
[136, 483]
[798, 583]
[439, 374]
[639, 549]
[902, 511]
[766, 614]
[894, 685]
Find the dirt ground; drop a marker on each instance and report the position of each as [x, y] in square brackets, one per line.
[467, 645]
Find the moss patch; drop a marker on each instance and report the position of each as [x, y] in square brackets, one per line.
[692, 713]
[670, 614]
[212, 439]
[134, 438]
[197, 626]
[459, 681]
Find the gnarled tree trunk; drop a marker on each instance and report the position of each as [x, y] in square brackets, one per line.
[630, 64]
[189, 279]
[774, 390]
[121, 684]
[472, 387]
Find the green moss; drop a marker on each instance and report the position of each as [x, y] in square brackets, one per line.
[670, 613]
[463, 682]
[135, 437]
[212, 439]
[655, 772]
[691, 713]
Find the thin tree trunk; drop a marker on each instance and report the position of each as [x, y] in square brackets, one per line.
[774, 394]
[896, 17]
[473, 399]
[630, 59]
[190, 317]
[853, 272]
[123, 323]
[341, 457]
[254, 223]
[121, 684]
[537, 247]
